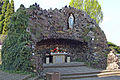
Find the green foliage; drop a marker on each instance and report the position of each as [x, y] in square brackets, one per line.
[16, 52]
[12, 7]
[6, 20]
[1, 26]
[1, 3]
[1, 16]
[6, 11]
[4, 6]
[111, 44]
[91, 7]
[114, 47]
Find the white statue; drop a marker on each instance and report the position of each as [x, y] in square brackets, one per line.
[71, 21]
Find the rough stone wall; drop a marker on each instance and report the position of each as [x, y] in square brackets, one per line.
[53, 24]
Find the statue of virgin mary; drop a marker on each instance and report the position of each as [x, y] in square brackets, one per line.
[71, 21]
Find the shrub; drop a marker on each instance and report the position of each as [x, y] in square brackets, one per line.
[16, 50]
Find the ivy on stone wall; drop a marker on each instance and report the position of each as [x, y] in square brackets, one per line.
[16, 50]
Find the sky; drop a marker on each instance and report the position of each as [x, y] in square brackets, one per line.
[110, 8]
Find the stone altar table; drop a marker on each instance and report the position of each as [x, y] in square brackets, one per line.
[59, 57]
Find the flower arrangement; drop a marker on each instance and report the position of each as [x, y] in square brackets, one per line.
[57, 50]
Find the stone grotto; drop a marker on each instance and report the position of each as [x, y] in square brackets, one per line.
[66, 35]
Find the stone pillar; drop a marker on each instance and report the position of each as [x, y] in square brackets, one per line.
[68, 59]
[47, 60]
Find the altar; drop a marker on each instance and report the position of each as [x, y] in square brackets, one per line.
[59, 57]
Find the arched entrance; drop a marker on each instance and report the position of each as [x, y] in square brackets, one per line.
[68, 50]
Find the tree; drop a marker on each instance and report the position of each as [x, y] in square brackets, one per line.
[2, 16]
[1, 3]
[12, 6]
[6, 11]
[6, 20]
[91, 7]
[1, 23]
[4, 6]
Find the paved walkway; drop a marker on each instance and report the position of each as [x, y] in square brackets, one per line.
[8, 76]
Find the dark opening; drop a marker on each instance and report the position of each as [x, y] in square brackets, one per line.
[61, 42]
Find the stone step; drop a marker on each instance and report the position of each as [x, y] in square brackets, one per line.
[63, 65]
[90, 72]
[90, 75]
[72, 70]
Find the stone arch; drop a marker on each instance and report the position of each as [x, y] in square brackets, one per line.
[77, 50]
